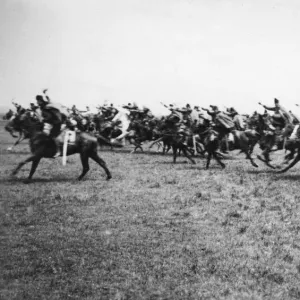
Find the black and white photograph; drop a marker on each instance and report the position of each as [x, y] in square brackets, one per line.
[149, 149]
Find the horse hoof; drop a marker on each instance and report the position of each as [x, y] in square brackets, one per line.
[26, 181]
[108, 177]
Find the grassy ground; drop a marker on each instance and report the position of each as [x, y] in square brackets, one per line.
[155, 231]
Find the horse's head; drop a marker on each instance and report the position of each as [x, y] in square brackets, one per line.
[8, 115]
[29, 123]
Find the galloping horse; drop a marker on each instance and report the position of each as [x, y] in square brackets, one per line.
[171, 136]
[123, 119]
[43, 146]
[15, 124]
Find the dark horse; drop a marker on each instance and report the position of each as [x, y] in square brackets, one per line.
[43, 146]
[170, 135]
[210, 140]
[14, 126]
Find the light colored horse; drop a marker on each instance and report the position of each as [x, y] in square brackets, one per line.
[123, 118]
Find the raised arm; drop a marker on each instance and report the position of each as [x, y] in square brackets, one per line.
[269, 108]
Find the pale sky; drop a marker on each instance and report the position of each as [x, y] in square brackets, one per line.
[222, 52]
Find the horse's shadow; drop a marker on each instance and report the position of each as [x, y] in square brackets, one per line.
[20, 152]
[261, 171]
[282, 176]
[17, 180]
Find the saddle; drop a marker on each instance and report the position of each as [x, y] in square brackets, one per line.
[67, 136]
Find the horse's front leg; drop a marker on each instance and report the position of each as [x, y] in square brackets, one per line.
[21, 164]
[34, 165]
[10, 130]
[35, 161]
[19, 140]
[35, 158]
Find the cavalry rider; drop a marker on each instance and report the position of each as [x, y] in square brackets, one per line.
[281, 116]
[20, 109]
[75, 111]
[33, 107]
[236, 117]
[179, 120]
[143, 115]
[109, 112]
[219, 118]
[223, 122]
[186, 114]
[147, 114]
[134, 111]
[185, 122]
[19, 114]
[53, 116]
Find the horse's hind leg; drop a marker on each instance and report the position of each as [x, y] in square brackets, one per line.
[218, 160]
[289, 156]
[102, 163]
[174, 154]
[208, 160]
[185, 152]
[137, 145]
[248, 156]
[266, 159]
[167, 149]
[85, 165]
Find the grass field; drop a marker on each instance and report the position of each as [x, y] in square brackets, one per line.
[155, 231]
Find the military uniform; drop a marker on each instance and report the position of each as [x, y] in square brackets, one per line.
[54, 115]
[281, 116]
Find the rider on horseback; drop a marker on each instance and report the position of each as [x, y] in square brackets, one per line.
[53, 118]
[186, 114]
[19, 108]
[111, 111]
[223, 123]
[280, 113]
[236, 117]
